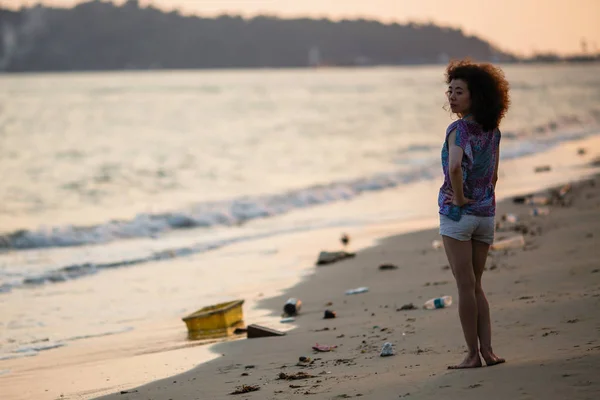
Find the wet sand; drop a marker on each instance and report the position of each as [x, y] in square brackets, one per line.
[544, 301]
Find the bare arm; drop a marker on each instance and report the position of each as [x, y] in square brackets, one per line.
[495, 179]
[455, 169]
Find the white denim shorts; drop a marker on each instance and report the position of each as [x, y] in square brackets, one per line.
[470, 227]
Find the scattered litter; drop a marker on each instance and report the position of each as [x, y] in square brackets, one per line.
[246, 389]
[388, 267]
[514, 242]
[345, 239]
[323, 348]
[437, 244]
[257, 331]
[304, 359]
[539, 200]
[128, 391]
[216, 320]
[510, 218]
[387, 350]
[438, 302]
[329, 314]
[287, 320]
[327, 257]
[549, 333]
[357, 290]
[565, 189]
[296, 376]
[292, 306]
[581, 151]
[537, 211]
[409, 306]
[542, 168]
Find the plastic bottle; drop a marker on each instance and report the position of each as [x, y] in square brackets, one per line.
[357, 290]
[292, 306]
[438, 302]
[540, 211]
[538, 200]
[514, 242]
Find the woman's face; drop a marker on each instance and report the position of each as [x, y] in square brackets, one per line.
[459, 97]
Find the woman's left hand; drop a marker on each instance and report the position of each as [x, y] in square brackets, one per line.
[461, 202]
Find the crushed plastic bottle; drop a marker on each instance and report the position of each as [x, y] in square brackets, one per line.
[438, 302]
[387, 350]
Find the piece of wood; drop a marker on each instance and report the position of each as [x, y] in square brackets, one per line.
[257, 331]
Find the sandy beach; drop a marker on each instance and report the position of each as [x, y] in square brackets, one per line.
[544, 299]
[544, 302]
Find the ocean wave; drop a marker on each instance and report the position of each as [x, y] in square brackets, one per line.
[227, 213]
[34, 348]
[239, 210]
[38, 347]
[75, 271]
[101, 334]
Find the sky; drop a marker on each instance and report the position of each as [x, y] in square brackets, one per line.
[523, 27]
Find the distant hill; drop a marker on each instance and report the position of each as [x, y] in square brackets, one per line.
[99, 35]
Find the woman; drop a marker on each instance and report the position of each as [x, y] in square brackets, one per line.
[478, 94]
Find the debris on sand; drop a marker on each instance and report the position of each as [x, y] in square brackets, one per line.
[296, 376]
[323, 348]
[246, 389]
[326, 257]
[514, 242]
[387, 350]
[542, 168]
[409, 306]
[257, 331]
[359, 290]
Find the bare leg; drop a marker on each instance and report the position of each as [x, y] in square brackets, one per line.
[484, 325]
[460, 258]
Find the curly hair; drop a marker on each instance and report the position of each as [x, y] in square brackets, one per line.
[488, 87]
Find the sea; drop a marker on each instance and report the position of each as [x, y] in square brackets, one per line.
[128, 199]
